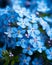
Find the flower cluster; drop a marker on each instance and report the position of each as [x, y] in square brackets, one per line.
[27, 25]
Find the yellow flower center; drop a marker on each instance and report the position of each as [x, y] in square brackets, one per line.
[18, 31]
[28, 48]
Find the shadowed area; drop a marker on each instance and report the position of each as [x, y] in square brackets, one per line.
[4, 3]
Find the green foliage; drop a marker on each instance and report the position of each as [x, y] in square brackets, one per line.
[44, 14]
[9, 60]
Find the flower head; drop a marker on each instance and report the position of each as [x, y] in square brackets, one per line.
[37, 61]
[49, 53]
[24, 60]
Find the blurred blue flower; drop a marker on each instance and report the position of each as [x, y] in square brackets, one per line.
[4, 19]
[22, 42]
[41, 47]
[24, 60]
[29, 49]
[49, 53]
[10, 42]
[33, 30]
[37, 61]
[23, 22]
[44, 24]
[37, 43]
[49, 33]
[34, 41]
[48, 19]
[26, 33]
[15, 32]
[12, 16]
[4, 10]
[42, 7]
[33, 18]
[21, 11]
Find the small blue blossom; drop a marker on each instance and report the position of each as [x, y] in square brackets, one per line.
[12, 16]
[24, 60]
[42, 7]
[21, 10]
[37, 43]
[49, 33]
[49, 53]
[4, 19]
[33, 30]
[4, 11]
[44, 24]
[48, 19]
[41, 47]
[15, 32]
[23, 22]
[22, 42]
[37, 61]
[10, 42]
[35, 40]
[29, 49]
[34, 18]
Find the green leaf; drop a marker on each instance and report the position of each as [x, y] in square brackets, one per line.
[44, 14]
[43, 31]
[14, 24]
[12, 62]
[6, 63]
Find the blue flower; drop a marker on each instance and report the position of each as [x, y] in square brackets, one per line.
[28, 49]
[33, 18]
[15, 32]
[49, 33]
[4, 10]
[37, 43]
[35, 40]
[12, 16]
[22, 11]
[5, 20]
[41, 47]
[19, 10]
[46, 27]
[33, 30]
[42, 7]
[24, 60]
[44, 24]
[48, 19]
[22, 42]
[37, 61]
[23, 22]
[11, 42]
[49, 53]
